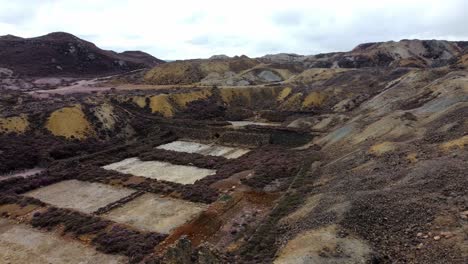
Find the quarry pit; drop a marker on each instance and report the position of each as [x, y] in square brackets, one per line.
[205, 161]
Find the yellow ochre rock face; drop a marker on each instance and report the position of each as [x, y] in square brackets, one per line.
[169, 104]
[248, 95]
[174, 73]
[382, 148]
[228, 94]
[190, 72]
[15, 124]
[182, 99]
[459, 143]
[140, 101]
[293, 103]
[314, 99]
[161, 104]
[316, 75]
[412, 157]
[70, 122]
[283, 94]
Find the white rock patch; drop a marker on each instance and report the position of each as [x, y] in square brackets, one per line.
[205, 149]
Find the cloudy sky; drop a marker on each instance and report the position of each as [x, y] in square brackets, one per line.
[175, 29]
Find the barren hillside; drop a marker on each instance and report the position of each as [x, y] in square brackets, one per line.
[354, 157]
[62, 54]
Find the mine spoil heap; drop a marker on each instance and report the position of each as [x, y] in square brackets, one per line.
[345, 157]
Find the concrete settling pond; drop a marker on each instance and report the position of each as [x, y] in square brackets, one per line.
[205, 149]
[151, 212]
[22, 244]
[160, 170]
[82, 196]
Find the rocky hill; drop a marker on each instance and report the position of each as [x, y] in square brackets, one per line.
[404, 53]
[222, 70]
[62, 54]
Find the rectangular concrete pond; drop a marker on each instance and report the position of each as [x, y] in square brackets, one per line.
[151, 212]
[21, 244]
[205, 149]
[86, 197]
[160, 170]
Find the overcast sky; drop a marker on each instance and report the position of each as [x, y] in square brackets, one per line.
[175, 29]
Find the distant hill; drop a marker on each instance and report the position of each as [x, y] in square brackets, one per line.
[222, 70]
[63, 54]
[404, 53]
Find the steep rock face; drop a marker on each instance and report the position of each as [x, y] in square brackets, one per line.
[62, 54]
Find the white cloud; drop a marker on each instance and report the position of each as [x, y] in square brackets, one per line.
[189, 29]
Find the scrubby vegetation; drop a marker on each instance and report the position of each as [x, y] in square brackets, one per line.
[18, 185]
[22, 155]
[174, 157]
[73, 222]
[131, 243]
[20, 200]
[29, 150]
[108, 237]
[270, 163]
[263, 245]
